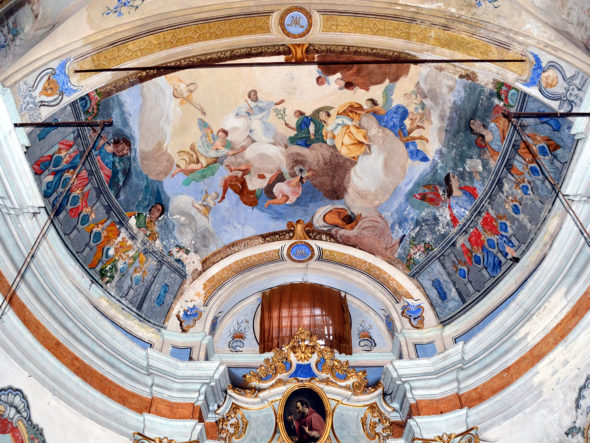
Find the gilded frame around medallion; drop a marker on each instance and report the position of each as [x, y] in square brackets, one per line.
[281, 410]
[303, 12]
[291, 255]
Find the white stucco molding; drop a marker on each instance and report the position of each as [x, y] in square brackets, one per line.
[547, 297]
[355, 281]
[18, 190]
[87, 29]
[60, 294]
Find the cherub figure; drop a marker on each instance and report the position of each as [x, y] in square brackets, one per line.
[204, 159]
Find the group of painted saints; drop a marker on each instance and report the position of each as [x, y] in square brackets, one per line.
[338, 128]
[115, 253]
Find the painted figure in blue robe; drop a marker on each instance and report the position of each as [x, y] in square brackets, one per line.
[258, 112]
[394, 120]
[303, 130]
[113, 160]
[64, 159]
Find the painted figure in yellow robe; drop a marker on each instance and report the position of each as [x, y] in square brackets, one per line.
[345, 132]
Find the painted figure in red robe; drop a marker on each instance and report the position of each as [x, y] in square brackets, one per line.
[309, 426]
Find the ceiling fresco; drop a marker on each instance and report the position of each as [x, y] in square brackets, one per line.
[415, 164]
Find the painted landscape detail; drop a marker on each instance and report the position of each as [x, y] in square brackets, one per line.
[391, 161]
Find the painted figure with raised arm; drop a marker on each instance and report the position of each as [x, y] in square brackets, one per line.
[258, 111]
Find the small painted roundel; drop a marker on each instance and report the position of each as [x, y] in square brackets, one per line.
[295, 22]
[300, 252]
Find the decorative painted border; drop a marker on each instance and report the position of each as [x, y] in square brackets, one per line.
[215, 281]
[384, 278]
[427, 34]
[220, 277]
[242, 53]
[124, 52]
[399, 28]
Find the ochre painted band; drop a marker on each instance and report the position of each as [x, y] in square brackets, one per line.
[131, 400]
[509, 375]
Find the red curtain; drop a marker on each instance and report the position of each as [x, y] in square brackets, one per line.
[319, 309]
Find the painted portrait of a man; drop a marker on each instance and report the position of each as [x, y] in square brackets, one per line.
[305, 416]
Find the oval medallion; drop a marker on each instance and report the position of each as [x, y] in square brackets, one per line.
[300, 252]
[295, 22]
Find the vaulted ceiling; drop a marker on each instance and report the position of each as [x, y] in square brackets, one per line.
[417, 195]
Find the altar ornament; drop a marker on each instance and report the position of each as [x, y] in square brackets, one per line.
[305, 348]
[300, 391]
[233, 425]
[468, 436]
[376, 425]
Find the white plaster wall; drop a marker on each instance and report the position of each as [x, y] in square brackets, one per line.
[541, 406]
[60, 423]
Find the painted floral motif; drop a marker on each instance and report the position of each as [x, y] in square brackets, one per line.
[123, 5]
[47, 90]
[238, 336]
[582, 411]
[10, 37]
[389, 323]
[536, 71]
[556, 83]
[189, 317]
[366, 341]
[215, 322]
[90, 104]
[507, 94]
[15, 418]
[418, 251]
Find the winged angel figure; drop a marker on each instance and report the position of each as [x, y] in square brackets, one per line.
[184, 92]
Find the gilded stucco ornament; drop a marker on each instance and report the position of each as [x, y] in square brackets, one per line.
[304, 348]
[468, 436]
[140, 438]
[304, 369]
[299, 229]
[376, 425]
[299, 53]
[233, 425]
